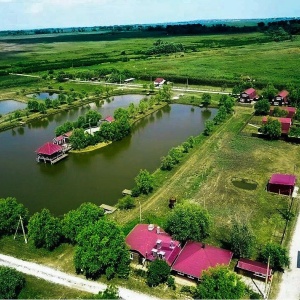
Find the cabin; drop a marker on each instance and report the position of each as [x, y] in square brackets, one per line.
[62, 139]
[159, 82]
[291, 111]
[148, 242]
[281, 99]
[50, 152]
[286, 124]
[254, 269]
[196, 257]
[283, 184]
[248, 96]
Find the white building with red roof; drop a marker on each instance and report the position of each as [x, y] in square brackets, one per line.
[50, 152]
[149, 242]
[196, 257]
[159, 81]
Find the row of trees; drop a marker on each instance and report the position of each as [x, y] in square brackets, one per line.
[161, 47]
[100, 243]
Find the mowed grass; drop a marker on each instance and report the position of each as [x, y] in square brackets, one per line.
[205, 177]
[211, 58]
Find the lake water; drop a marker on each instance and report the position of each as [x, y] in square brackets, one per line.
[97, 176]
[44, 96]
[7, 106]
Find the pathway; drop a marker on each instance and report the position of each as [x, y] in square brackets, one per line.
[65, 279]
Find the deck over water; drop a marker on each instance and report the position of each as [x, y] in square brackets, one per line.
[51, 160]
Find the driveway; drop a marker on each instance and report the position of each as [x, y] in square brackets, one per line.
[65, 279]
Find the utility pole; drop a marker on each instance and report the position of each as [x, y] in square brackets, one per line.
[21, 221]
[140, 211]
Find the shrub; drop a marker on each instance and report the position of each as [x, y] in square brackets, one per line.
[158, 272]
[126, 202]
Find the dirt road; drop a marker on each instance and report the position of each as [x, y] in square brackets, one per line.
[65, 279]
[289, 288]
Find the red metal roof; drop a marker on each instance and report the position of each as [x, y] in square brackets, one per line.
[159, 80]
[283, 179]
[250, 91]
[109, 119]
[142, 240]
[49, 149]
[59, 138]
[283, 94]
[196, 257]
[254, 266]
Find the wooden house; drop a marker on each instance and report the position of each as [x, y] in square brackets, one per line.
[281, 99]
[248, 96]
[283, 184]
[253, 269]
[159, 82]
[197, 257]
[149, 242]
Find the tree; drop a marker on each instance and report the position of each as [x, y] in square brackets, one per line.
[262, 107]
[176, 154]
[209, 127]
[75, 220]
[185, 147]
[167, 163]
[101, 249]
[17, 114]
[11, 283]
[92, 117]
[221, 115]
[55, 103]
[78, 139]
[188, 221]
[269, 91]
[111, 292]
[33, 105]
[45, 230]
[158, 272]
[278, 255]
[42, 108]
[241, 239]
[220, 283]
[48, 102]
[126, 202]
[145, 182]
[272, 128]
[10, 212]
[121, 113]
[206, 100]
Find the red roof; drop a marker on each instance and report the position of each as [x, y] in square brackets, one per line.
[68, 134]
[49, 149]
[143, 240]
[283, 179]
[281, 120]
[283, 94]
[254, 266]
[59, 138]
[159, 80]
[291, 110]
[250, 91]
[109, 119]
[196, 257]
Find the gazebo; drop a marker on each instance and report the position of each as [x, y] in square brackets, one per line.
[50, 152]
[282, 184]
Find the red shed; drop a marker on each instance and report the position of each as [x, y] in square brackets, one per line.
[254, 268]
[159, 81]
[248, 95]
[286, 124]
[282, 184]
[197, 257]
[291, 111]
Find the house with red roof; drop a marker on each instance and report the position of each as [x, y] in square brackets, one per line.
[159, 82]
[290, 111]
[286, 123]
[196, 257]
[50, 152]
[283, 184]
[109, 119]
[149, 242]
[281, 98]
[62, 139]
[248, 96]
[253, 268]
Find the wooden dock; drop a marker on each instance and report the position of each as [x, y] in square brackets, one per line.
[51, 160]
[127, 192]
[108, 209]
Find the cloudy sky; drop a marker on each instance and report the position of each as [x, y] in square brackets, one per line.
[28, 14]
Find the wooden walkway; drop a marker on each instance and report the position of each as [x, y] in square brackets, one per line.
[51, 160]
[108, 209]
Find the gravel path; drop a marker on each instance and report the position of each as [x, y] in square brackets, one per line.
[65, 279]
[289, 288]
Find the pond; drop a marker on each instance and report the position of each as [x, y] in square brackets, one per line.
[44, 96]
[7, 106]
[97, 176]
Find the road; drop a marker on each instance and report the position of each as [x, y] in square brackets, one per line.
[289, 288]
[65, 279]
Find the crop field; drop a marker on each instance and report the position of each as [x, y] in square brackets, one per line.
[207, 59]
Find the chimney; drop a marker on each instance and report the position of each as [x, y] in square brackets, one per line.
[158, 244]
[158, 230]
[203, 245]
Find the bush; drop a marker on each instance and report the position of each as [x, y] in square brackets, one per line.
[262, 107]
[11, 283]
[171, 283]
[158, 272]
[126, 202]
[272, 128]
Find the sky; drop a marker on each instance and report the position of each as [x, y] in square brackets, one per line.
[30, 14]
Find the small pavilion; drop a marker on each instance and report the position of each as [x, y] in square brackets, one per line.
[50, 152]
[282, 184]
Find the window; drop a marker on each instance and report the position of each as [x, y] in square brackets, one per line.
[131, 256]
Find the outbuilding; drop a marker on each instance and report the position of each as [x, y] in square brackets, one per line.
[254, 269]
[248, 96]
[159, 82]
[282, 184]
[286, 124]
